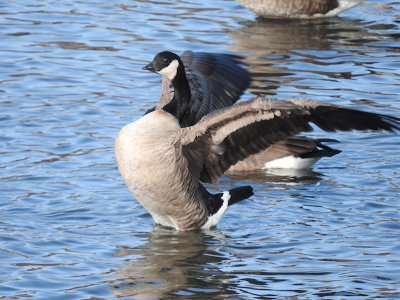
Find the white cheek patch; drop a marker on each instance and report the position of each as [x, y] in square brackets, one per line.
[170, 70]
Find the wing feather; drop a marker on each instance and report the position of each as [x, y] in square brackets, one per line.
[236, 132]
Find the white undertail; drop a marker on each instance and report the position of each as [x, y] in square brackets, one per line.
[215, 218]
[291, 162]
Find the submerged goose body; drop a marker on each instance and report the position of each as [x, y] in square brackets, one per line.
[204, 82]
[299, 9]
[163, 163]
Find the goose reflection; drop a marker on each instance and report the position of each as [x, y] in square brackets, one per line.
[170, 264]
[273, 47]
[286, 177]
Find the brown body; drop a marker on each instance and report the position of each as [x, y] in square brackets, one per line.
[301, 9]
[153, 167]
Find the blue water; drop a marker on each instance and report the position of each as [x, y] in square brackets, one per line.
[70, 77]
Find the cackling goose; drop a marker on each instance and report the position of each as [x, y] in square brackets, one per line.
[210, 80]
[214, 81]
[163, 163]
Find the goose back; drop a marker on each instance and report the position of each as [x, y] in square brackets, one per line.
[299, 152]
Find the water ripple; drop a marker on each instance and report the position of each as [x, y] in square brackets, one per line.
[71, 76]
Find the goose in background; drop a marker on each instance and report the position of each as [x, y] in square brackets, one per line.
[208, 81]
[163, 163]
[298, 9]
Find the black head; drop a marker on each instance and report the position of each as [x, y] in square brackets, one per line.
[165, 63]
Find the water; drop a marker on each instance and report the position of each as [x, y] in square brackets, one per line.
[71, 76]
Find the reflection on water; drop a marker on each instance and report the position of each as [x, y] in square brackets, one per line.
[275, 53]
[270, 44]
[70, 74]
[279, 176]
[194, 265]
[172, 264]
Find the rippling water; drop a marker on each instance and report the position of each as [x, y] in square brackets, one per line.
[71, 76]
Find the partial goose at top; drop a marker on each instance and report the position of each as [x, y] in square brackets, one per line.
[298, 9]
[198, 83]
[163, 163]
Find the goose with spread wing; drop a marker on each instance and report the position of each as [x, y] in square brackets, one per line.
[197, 83]
[209, 81]
[298, 9]
[164, 164]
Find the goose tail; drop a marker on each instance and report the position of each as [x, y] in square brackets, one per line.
[239, 193]
[218, 203]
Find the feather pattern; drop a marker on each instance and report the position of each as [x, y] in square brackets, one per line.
[163, 163]
[249, 127]
[198, 83]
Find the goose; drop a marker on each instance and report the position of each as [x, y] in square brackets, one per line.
[197, 83]
[298, 9]
[209, 81]
[164, 164]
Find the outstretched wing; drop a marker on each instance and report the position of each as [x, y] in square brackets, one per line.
[216, 81]
[234, 133]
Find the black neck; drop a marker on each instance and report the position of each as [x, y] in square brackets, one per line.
[181, 86]
[179, 105]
